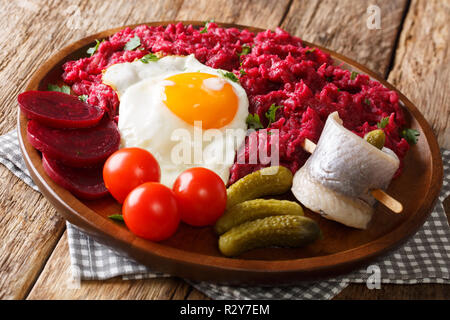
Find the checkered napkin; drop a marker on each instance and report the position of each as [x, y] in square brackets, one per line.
[424, 258]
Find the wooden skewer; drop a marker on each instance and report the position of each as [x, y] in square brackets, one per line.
[308, 145]
[387, 200]
[378, 194]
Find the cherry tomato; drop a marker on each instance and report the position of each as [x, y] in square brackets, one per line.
[151, 211]
[128, 168]
[201, 196]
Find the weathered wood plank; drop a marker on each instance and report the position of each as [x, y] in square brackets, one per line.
[24, 24]
[28, 40]
[196, 295]
[343, 27]
[29, 230]
[30, 227]
[265, 14]
[396, 292]
[56, 282]
[422, 63]
[421, 71]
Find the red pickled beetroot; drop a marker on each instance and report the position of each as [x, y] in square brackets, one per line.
[85, 183]
[75, 147]
[58, 109]
[279, 69]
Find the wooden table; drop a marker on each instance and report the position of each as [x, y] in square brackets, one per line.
[410, 50]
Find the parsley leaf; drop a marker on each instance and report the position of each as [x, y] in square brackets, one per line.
[245, 50]
[254, 122]
[93, 49]
[353, 75]
[149, 57]
[117, 217]
[270, 114]
[229, 75]
[310, 50]
[132, 44]
[242, 72]
[54, 87]
[205, 29]
[410, 135]
[65, 89]
[367, 101]
[83, 97]
[383, 123]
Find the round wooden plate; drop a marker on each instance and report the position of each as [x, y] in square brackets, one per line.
[192, 252]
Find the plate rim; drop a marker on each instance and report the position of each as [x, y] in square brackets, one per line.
[173, 260]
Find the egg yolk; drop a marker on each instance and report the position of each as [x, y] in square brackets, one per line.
[197, 96]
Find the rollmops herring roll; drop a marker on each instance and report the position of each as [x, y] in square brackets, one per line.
[337, 178]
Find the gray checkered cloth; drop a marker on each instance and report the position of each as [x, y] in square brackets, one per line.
[424, 258]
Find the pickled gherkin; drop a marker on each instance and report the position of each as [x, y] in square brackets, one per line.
[255, 209]
[283, 231]
[376, 138]
[267, 181]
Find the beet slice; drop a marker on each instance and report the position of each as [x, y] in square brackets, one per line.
[75, 147]
[58, 109]
[84, 183]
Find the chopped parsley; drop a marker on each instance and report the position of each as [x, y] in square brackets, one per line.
[54, 87]
[93, 49]
[383, 123]
[353, 75]
[329, 79]
[205, 28]
[245, 50]
[117, 217]
[229, 75]
[83, 97]
[367, 101]
[149, 57]
[254, 122]
[310, 50]
[242, 72]
[270, 114]
[132, 44]
[410, 135]
[338, 90]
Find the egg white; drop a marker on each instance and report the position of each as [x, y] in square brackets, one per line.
[146, 122]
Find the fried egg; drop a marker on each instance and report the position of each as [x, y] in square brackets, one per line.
[185, 113]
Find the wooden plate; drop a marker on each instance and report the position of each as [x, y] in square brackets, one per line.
[192, 252]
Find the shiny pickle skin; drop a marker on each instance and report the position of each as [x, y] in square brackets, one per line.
[377, 138]
[255, 209]
[283, 231]
[260, 183]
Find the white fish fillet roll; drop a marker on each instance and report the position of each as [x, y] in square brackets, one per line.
[337, 178]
